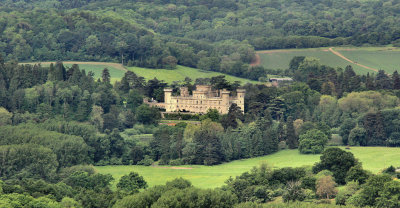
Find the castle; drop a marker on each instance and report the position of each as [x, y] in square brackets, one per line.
[202, 99]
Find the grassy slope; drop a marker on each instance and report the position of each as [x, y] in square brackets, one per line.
[180, 73]
[117, 71]
[386, 58]
[373, 159]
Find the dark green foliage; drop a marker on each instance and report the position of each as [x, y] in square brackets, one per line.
[291, 138]
[376, 192]
[147, 115]
[27, 160]
[131, 183]
[70, 150]
[337, 161]
[178, 193]
[357, 174]
[84, 180]
[312, 142]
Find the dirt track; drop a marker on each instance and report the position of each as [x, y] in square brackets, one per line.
[115, 65]
[353, 62]
[257, 60]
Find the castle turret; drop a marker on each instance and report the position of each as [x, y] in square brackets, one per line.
[240, 98]
[184, 91]
[167, 99]
[225, 101]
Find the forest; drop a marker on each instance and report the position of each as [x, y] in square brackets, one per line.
[211, 35]
[58, 122]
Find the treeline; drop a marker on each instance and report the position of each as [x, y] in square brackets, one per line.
[210, 35]
[298, 187]
[91, 36]
[214, 21]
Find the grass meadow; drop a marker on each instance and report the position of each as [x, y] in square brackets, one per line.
[373, 159]
[386, 58]
[181, 72]
[117, 71]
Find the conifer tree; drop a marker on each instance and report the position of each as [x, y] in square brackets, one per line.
[396, 80]
[369, 82]
[291, 138]
[105, 75]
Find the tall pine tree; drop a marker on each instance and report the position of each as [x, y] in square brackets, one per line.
[291, 138]
[396, 80]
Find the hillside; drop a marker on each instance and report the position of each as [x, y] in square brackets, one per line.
[362, 59]
[117, 71]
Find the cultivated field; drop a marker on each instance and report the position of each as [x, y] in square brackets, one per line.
[362, 59]
[372, 158]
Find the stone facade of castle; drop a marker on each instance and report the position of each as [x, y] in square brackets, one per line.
[202, 99]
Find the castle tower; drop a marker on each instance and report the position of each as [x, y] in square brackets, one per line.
[225, 101]
[184, 91]
[240, 98]
[167, 99]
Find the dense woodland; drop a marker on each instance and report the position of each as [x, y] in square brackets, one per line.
[57, 122]
[215, 35]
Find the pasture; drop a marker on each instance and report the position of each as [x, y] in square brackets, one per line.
[373, 159]
[362, 58]
[181, 72]
[117, 71]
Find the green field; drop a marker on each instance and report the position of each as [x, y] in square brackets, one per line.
[117, 71]
[180, 73]
[373, 159]
[386, 58]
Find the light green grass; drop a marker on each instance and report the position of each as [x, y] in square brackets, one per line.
[281, 60]
[386, 58]
[181, 72]
[169, 76]
[115, 73]
[373, 159]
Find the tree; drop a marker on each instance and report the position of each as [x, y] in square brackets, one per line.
[212, 114]
[131, 183]
[337, 161]
[147, 115]
[291, 138]
[383, 81]
[105, 75]
[396, 80]
[389, 195]
[312, 142]
[357, 137]
[5, 116]
[169, 62]
[370, 193]
[208, 144]
[326, 187]
[357, 174]
[293, 192]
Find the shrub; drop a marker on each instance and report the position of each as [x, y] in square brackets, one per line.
[147, 161]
